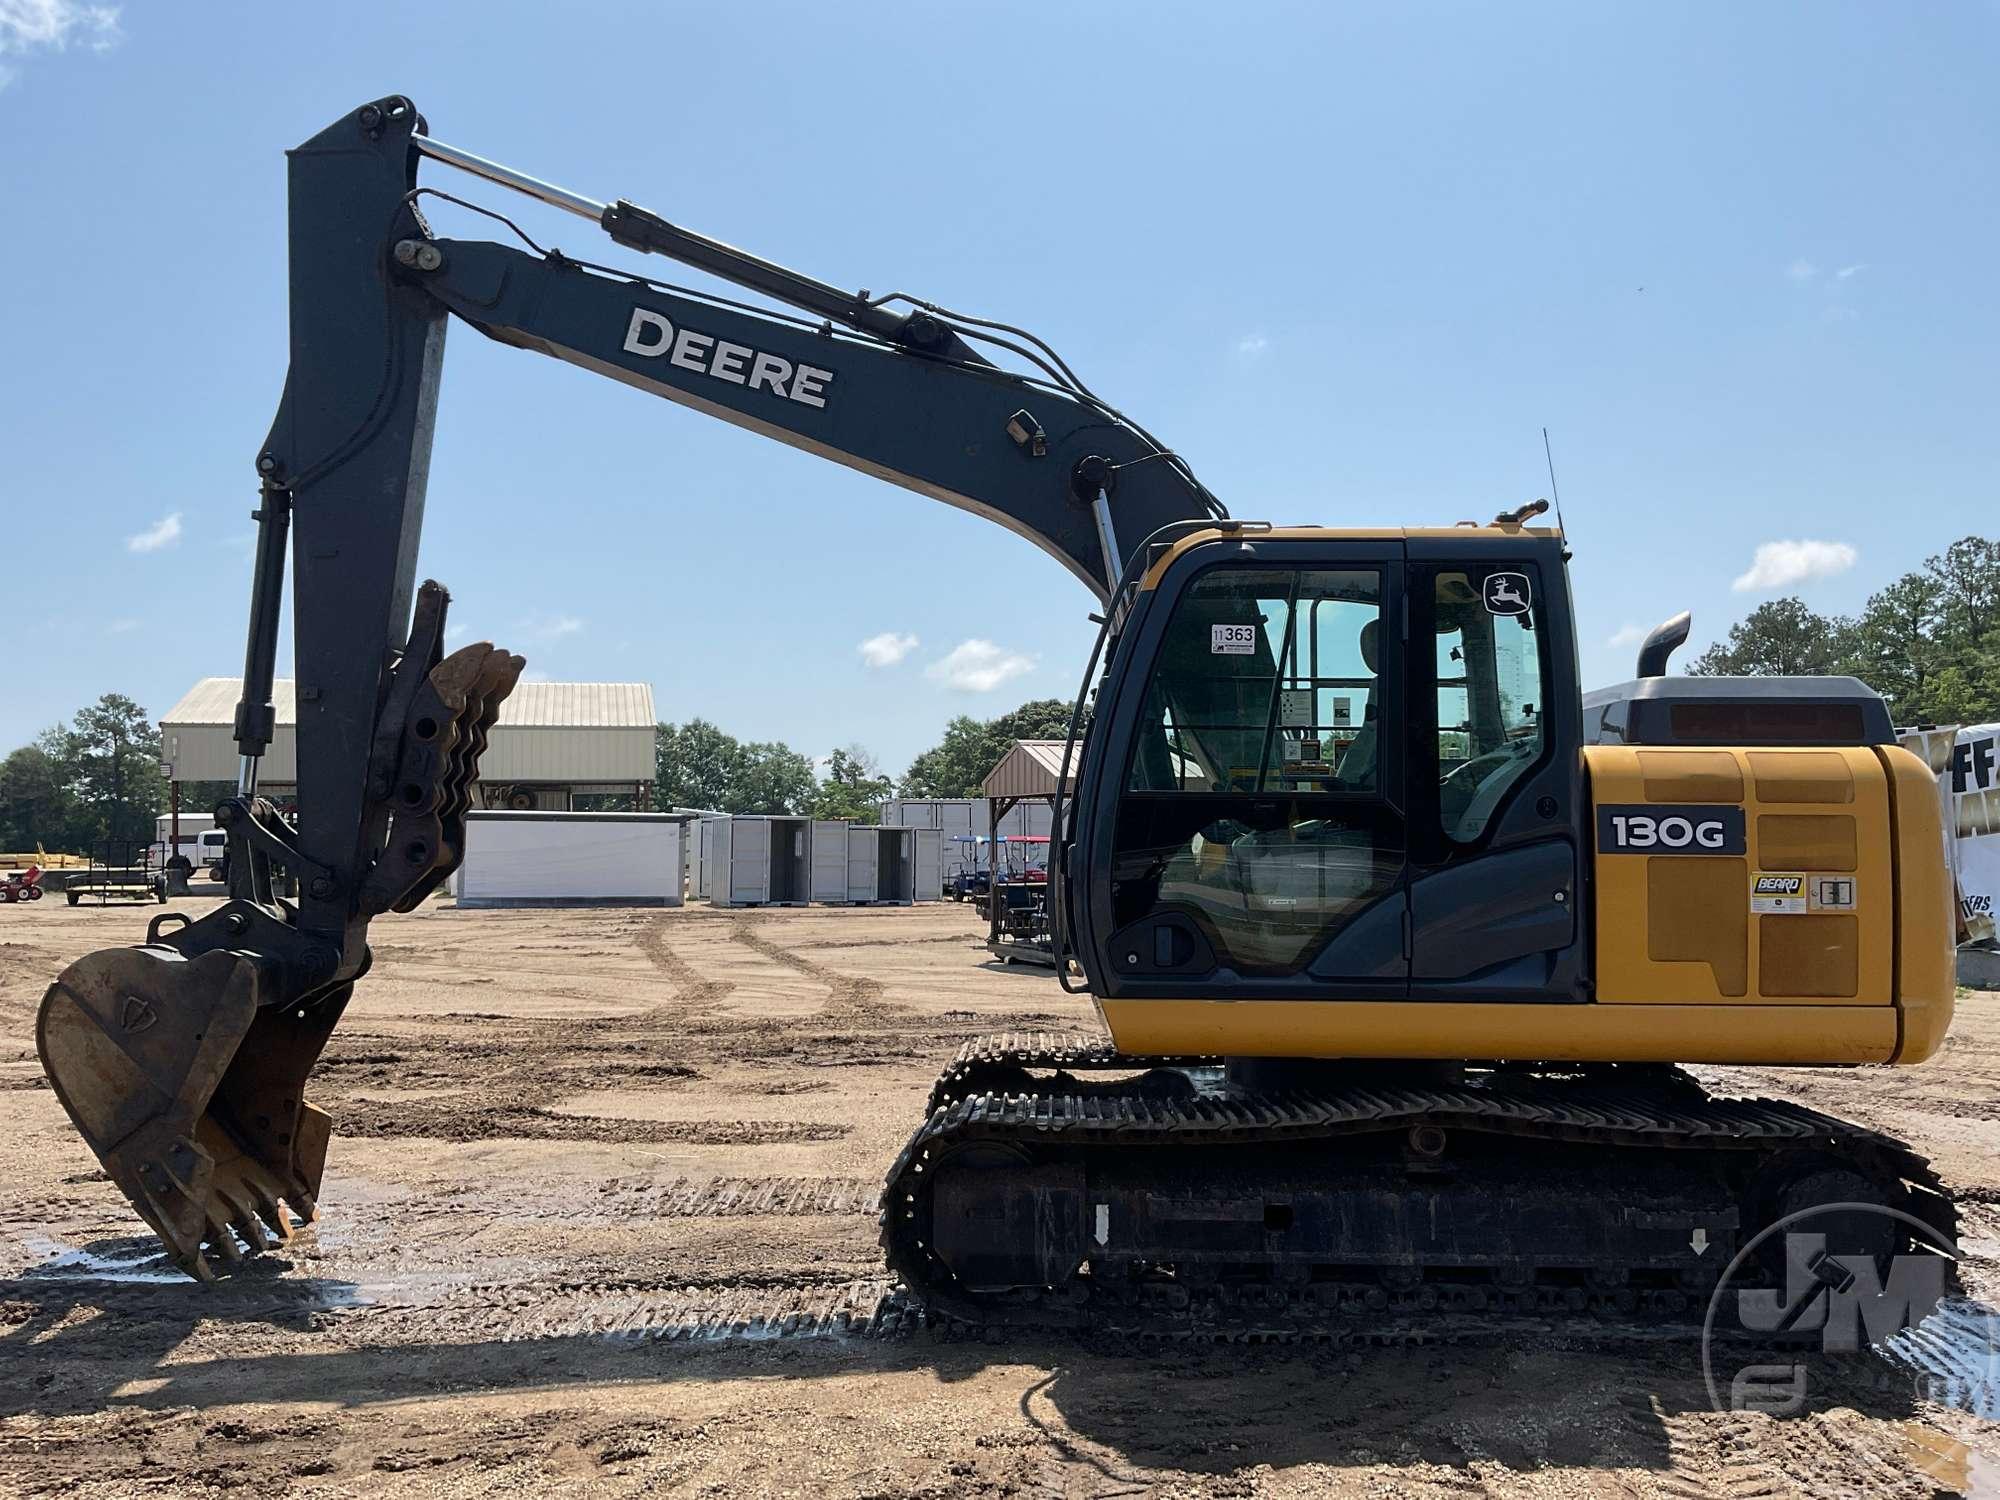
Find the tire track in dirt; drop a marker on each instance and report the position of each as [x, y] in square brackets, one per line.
[1692, 1451]
[689, 1198]
[1827, 1455]
[447, 1121]
[867, 1307]
[692, 989]
[504, 1082]
[963, 939]
[849, 997]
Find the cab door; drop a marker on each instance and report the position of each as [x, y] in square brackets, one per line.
[1494, 755]
[1254, 761]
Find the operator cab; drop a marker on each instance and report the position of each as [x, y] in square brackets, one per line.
[1337, 766]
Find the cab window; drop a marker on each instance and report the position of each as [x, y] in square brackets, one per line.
[1266, 682]
[1490, 719]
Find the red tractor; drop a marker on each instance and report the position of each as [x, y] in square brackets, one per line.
[22, 885]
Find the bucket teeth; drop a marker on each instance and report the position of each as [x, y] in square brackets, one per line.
[219, 1239]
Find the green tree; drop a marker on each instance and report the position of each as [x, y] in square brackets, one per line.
[852, 787]
[695, 765]
[1780, 639]
[958, 764]
[955, 765]
[1968, 572]
[1929, 642]
[108, 762]
[771, 778]
[202, 796]
[1896, 645]
[35, 809]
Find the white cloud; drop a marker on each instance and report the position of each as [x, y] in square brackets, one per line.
[1779, 565]
[121, 627]
[551, 627]
[29, 26]
[453, 632]
[1846, 271]
[162, 533]
[886, 649]
[1801, 270]
[1251, 345]
[978, 666]
[1627, 635]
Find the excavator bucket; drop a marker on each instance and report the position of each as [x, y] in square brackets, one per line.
[186, 1075]
[189, 1093]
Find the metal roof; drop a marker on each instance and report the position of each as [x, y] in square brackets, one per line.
[532, 705]
[574, 732]
[1030, 769]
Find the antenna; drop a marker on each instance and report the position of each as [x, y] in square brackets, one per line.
[1554, 493]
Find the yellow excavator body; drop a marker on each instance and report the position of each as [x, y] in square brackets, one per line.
[1828, 941]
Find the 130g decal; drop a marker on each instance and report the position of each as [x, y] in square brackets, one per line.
[1677, 828]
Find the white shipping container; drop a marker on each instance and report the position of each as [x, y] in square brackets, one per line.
[864, 864]
[929, 863]
[830, 862]
[701, 857]
[571, 859]
[761, 861]
[701, 853]
[959, 819]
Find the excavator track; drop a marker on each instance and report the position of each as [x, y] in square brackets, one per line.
[1388, 1211]
[1002, 1064]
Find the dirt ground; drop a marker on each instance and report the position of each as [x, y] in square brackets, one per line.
[599, 1219]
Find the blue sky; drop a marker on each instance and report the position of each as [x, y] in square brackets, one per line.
[1349, 259]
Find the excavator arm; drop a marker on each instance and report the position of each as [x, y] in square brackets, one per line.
[183, 1061]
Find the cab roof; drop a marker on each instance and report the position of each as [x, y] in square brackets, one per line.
[1471, 533]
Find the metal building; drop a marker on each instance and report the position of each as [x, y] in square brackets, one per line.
[1030, 774]
[559, 746]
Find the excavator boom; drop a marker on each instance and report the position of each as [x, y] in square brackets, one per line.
[183, 1061]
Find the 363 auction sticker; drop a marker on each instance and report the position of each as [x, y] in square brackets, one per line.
[1232, 640]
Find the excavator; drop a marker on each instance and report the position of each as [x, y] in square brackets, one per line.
[1397, 965]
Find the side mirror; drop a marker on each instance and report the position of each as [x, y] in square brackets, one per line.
[1662, 642]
